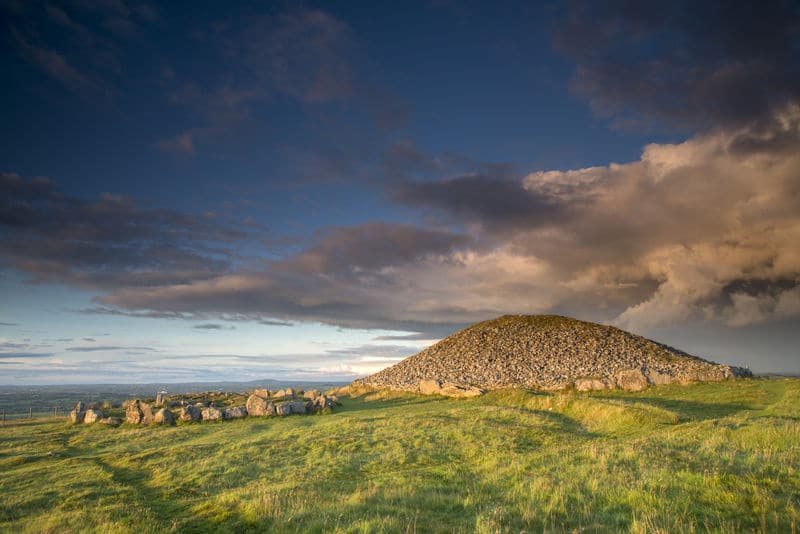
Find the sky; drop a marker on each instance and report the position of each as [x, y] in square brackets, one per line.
[316, 190]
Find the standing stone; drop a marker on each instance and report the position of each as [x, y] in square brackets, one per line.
[80, 406]
[164, 417]
[92, 416]
[138, 412]
[76, 417]
[159, 399]
[190, 413]
[261, 393]
[312, 394]
[211, 414]
[234, 412]
[258, 406]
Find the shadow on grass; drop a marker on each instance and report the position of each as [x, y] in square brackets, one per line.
[686, 410]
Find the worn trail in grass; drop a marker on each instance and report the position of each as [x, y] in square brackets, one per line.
[711, 457]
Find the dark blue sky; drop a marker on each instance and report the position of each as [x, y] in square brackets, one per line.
[189, 179]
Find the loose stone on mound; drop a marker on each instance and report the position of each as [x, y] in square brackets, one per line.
[545, 352]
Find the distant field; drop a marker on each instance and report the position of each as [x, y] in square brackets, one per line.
[719, 457]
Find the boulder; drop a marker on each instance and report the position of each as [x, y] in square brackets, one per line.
[297, 407]
[138, 412]
[631, 379]
[110, 421]
[258, 406]
[261, 393]
[591, 384]
[430, 387]
[450, 389]
[312, 394]
[234, 412]
[657, 378]
[164, 417]
[92, 416]
[283, 409]
[76, 417]
[190, 413]
[211, 413]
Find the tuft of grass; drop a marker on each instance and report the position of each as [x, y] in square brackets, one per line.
[719, 457]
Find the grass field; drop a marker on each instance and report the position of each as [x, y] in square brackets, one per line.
[712, 457]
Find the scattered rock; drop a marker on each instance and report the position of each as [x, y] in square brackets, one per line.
[164, 416]
[259, 406]
[210, 413]
[138, 412]
[234, 412]
[190, 414]
[92, 416]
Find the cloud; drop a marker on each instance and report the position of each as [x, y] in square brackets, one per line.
[24, 355]
[107, 242]
[108, 348]
[691, 65]
[213, 326]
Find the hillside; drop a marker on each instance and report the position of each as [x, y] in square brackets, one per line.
[714, 457]
[546, 352]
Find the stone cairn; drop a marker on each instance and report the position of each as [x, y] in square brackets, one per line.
[544, 352]
[260, 403]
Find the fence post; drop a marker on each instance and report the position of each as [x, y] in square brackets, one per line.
[30, 412]
[4, 415]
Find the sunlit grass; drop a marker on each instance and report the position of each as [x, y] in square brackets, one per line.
[713, 457]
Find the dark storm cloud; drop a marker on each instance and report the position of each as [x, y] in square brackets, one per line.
[369, 247]
[106, 242]
[213, 326]
[685, 64]
[496, 202]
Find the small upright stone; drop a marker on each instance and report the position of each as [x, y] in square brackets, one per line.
[138, 412]
[164, 417]
[234, 412]
[76, 417]
[92, 416]
[190, 414]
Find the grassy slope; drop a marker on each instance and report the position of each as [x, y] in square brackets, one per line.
[719, 457]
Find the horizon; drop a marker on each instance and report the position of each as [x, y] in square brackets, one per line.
[314, 192]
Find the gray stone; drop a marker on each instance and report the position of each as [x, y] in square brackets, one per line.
[259, 406]
[297, 407]
[234, 412]
[92, 416]
[76, 417]
[164, 417]
[190, 414]
[211, 413]
[283, 408]
[138, 412]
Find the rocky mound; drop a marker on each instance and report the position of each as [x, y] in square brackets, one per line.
[544, 352]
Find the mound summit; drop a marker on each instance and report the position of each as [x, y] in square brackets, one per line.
[546, 352]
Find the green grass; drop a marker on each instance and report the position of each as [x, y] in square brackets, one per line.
[713, 457]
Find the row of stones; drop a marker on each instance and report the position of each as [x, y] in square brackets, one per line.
[140, 412]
